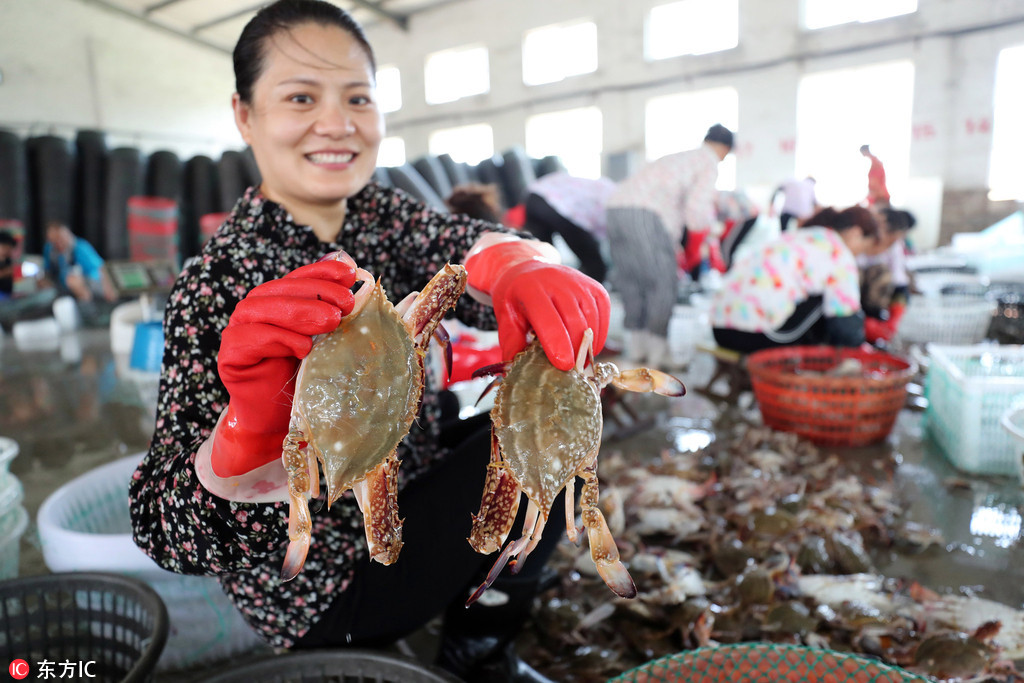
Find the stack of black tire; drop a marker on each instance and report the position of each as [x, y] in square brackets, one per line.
[86, 185]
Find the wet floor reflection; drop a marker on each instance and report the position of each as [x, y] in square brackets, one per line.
[75, 406]
[71, 406]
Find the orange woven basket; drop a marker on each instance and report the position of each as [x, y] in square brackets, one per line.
[796, 394]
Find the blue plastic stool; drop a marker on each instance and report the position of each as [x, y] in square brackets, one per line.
[148, 347]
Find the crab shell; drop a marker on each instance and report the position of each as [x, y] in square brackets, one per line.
[547, 422]
[356, 401]
[356, 395]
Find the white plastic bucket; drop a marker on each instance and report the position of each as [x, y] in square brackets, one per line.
[122, 326]
[65, 312]
[688, 327]
[85, 526]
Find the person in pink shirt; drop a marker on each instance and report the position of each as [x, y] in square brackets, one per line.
[575, 209]
[801, 288]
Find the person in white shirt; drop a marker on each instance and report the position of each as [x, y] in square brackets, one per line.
[647, 218]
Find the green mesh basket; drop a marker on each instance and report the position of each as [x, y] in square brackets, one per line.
[764, 662]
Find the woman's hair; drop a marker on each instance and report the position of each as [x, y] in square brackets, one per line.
[855, 216]
[284, 15]
[476, 201]
[898, 220]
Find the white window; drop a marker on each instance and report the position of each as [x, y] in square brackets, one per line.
[1006, 173]
[691, 27]
[573, 135]
[391, 152]
[822, 13]
[470, 144]
[453, 74]
[832, 125]
[674, 123]
[553, 53]
[389, 89]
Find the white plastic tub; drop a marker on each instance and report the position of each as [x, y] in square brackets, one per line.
[85, 526]
[36, 335]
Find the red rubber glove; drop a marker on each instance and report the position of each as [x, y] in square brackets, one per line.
[556, 302]
[268, 334]
[875, 329]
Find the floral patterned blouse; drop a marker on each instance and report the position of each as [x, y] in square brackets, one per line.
[184, 527]
[761, 290]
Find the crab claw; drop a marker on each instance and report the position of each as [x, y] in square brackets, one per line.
[299, 524]
[648, 379]
[606, 556]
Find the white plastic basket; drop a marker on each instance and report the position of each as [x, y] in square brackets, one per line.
[12, 525]
[968, 389]
[85, 526]
[8, 452]
[11, 492]
[1013, 422]
[952, 320]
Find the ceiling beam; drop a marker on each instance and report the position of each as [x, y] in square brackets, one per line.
[160, 5]
[228, 17]
[158, 26]
[400, 20]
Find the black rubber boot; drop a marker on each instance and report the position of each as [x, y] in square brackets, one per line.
[477, 642]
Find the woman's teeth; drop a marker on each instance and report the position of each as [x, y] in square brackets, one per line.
[326, 158]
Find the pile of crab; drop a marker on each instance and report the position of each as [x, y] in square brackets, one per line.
[760, 537]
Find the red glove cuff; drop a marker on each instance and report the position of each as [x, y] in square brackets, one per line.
[487, 266]
[237, 450]
[875, 330]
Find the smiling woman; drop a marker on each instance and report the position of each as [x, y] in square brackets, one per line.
[311, 118]
[207, 497]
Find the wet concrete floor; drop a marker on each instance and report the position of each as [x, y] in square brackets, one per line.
[75, 406]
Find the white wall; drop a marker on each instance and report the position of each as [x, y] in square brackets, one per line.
[954, 76]
[71, 63]
[68, 65]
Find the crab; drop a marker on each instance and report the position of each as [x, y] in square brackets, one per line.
[356, 396]
[546, 431]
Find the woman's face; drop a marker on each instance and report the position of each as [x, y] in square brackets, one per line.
[313, 122]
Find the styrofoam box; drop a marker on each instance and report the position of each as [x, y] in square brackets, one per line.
[85, 526]
[969, 388]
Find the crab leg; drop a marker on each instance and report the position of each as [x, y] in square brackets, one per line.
[498, 507]
[511, 551]
[533, 528]
[301, 469]
[499, 564]
[602, 544]
[571, 530]
[377, 496]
